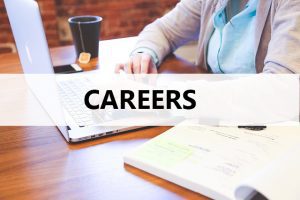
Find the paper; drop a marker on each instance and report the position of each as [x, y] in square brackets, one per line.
[279, 180]
[166, 153]
[201, 157]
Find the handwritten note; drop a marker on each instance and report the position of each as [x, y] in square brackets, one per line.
[164, 152]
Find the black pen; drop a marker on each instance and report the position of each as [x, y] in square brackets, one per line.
[253, 128]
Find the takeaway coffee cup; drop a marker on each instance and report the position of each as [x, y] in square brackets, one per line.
[86, 34]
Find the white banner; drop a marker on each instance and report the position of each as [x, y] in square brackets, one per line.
[95, 99]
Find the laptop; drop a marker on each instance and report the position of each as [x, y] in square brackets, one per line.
[33, 50]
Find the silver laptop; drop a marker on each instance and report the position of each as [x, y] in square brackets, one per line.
[29, 34]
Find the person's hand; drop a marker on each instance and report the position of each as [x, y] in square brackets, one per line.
[139, 63]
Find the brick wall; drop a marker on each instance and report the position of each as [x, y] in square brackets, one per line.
[121, 18]
[49, 15]
[6, 38]
[48, 10]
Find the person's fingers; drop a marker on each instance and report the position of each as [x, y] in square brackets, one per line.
[119, 67]
[152, 68]
[145, 63]
[140, 63]
[129, 66]
[136, 59]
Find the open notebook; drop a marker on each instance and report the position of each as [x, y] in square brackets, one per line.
[225, 163]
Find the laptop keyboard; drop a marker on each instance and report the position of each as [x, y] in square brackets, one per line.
[72, 96]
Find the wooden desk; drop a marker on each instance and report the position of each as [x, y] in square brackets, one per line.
[37, 163]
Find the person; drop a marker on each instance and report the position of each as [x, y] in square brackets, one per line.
[234, 36]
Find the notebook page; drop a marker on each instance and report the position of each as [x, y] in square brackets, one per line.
[279, 180]
[201, 157]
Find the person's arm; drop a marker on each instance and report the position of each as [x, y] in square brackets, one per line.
[166, 34]
[150, 52]
[284, 48]
[180, 25]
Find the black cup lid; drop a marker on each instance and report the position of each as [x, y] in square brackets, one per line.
[84, 19]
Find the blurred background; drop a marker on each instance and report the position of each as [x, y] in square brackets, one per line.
[121, 18]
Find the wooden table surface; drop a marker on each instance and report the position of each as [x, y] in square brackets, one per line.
[37, 163]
